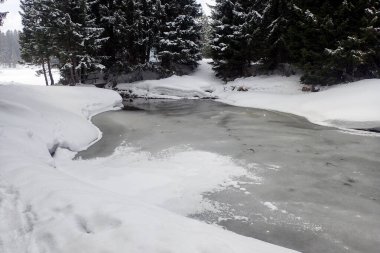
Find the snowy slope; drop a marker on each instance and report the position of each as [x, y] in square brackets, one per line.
[130, 202]
[353, 105]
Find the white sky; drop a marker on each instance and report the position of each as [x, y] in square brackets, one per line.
[13, 20]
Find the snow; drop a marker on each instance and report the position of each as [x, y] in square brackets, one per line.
[349, 105]
[176, 87]
[271, 206]
[352, 105]
[175, 179]
[205, 6]
[132, 201]
[24, 75]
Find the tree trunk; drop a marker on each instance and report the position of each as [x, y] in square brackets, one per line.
[74, 71]
[50, 74]
[72, 78]
[72, 75]
[147, 55]
[44, 70]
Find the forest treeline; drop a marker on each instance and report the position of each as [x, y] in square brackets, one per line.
[116, 37]
[327, 42]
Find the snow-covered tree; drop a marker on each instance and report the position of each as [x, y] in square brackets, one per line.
[77, 39]
[356, 53]
[113, 17]
[180, 35]
[131, 27]
[253, 28]
[36, 37]
[144, 29]
[231, 38]
[206, 36]
[277, 16]
[338, 40]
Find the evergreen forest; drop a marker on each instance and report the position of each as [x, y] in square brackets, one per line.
[326, 42]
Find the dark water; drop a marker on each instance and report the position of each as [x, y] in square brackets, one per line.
[318, 188]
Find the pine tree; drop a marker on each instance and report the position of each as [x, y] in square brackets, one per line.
[35, 37]
[102, 11]
[231, 39]
[144, 28]
[329, 41]
[180, 35]
[253, 29]
[205, 36]
[116, 18]
[77, 39]
[342, 44]
[305, 38]
[356, 52]
[277, 17]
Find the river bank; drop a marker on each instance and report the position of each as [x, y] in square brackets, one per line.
[351, 106]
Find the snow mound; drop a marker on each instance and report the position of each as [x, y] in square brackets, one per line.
[196, 85]
[129, 202]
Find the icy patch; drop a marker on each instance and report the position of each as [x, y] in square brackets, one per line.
[174, 179]
[271, 206]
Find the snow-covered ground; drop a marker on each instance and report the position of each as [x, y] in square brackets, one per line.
[353, 105]
[24, 75]
[129, 202]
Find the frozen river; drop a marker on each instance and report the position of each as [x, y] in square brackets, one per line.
[316, 189]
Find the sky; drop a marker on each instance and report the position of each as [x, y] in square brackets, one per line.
[13, 20]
